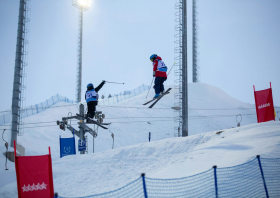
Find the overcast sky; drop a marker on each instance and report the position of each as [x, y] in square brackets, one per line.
[238, 46]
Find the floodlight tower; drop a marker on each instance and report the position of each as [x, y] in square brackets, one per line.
[82, 5]
[195, 69]
[20, 63]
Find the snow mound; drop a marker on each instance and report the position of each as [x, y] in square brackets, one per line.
[210, 109]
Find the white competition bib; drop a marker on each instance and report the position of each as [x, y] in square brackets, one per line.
[161, 66]
[90, 94]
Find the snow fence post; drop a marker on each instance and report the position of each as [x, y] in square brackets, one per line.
[216, 183]
[260, 165]
[144, 185]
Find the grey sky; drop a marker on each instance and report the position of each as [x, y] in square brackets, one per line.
[238, 45]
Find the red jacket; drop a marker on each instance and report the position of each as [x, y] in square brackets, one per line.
[156, 71]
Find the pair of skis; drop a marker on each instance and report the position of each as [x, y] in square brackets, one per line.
[157, 99]
[94, 122]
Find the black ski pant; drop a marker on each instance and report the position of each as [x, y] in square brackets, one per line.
[159, 87]
[91, 106]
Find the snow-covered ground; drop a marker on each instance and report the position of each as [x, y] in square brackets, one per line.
[163, 157]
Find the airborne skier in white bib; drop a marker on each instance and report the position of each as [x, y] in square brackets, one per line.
[91, 98]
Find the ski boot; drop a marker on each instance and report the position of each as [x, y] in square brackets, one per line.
[156, 96]
[89, 120]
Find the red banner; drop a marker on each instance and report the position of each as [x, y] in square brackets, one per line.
[34, 175]
[264, 105]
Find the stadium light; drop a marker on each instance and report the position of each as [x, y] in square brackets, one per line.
[85, 4]
[82, 5]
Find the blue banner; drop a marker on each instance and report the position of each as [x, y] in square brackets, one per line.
[67, 146]
[82, 144]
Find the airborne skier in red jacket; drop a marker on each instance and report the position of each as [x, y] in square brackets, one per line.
[159, 72]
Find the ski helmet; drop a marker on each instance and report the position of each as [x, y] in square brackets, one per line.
[89, 85]
[153, 57]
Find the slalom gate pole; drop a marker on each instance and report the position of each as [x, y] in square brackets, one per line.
[171, 68]
[150, 87]
[114, 82]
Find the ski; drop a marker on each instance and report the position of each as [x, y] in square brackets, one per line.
[105, 123]
[157, 97]
[92, 121]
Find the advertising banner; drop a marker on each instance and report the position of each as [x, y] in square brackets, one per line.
[264, 105]
[34, 175]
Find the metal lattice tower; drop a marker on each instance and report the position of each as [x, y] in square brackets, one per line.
[184, 71]
[194, 40]
[82, 5]
[181, 86]
[19, 72]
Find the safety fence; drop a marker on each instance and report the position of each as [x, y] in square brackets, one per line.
[37, 108]
[122, 96]
[257, 178]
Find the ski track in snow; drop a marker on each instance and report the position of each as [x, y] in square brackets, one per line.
[163, 157]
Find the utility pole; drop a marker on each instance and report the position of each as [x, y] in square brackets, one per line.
[17, 87]
[83, 128]
[82, 131]
[184, 71]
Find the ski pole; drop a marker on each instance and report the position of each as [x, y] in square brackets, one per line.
[171, 68]
[114, 82]
[150, 87]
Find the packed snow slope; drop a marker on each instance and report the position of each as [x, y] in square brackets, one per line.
[83, 175]
[210, 109]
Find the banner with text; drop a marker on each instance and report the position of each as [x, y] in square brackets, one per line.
[34, 175]
[264, 105]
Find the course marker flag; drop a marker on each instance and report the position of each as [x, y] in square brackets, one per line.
[264, 105]
[34, 175]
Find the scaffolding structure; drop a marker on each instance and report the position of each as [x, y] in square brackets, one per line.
[194, 42]
[82, 5]
[20, 69]
[181, 77]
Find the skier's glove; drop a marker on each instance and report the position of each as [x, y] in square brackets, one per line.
[103, 81]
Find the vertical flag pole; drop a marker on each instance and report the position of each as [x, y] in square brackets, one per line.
[15, 150]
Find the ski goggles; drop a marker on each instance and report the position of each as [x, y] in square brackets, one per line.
[152, 59]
